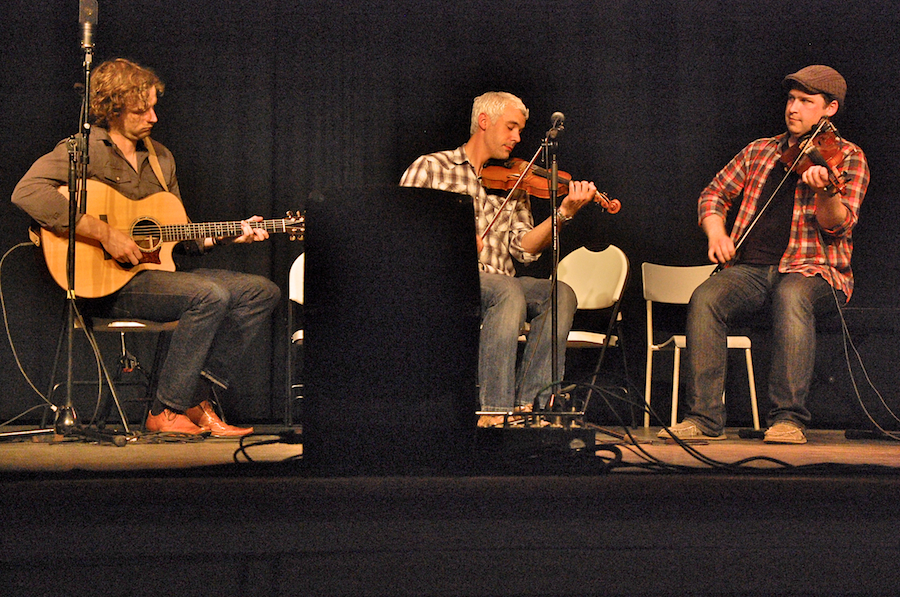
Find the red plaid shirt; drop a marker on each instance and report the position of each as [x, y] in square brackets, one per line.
[812, 250]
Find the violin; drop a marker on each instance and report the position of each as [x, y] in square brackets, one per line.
[822, 149]
[535, 181]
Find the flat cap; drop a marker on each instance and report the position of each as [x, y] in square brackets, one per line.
[819, 78]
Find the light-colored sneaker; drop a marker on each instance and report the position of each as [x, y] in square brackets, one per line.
[687, 430]
[785, 432]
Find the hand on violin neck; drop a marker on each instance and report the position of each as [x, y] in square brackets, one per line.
[830, 210]
[580, 193]
[818, 179]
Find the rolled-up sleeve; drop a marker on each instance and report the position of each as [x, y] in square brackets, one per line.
[37, 194]
[855, 169]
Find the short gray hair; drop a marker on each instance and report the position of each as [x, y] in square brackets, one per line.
[493, 103]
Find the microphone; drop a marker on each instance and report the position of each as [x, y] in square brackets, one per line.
[556, 127]
[103, 435]
[87, 16]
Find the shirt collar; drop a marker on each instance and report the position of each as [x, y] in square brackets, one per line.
[103, 135]
[459, 157]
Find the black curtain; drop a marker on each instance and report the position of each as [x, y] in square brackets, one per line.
[266, 102]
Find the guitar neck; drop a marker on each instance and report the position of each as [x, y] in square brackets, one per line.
[192, 231]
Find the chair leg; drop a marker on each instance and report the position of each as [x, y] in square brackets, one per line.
[600, 360]
[676, 374]
[127, 363]
[647, 385]
[111, 385]
[675, 383]
[215, 382]
[620, 346]
[752, 380]
[289, 372]
[294, 387]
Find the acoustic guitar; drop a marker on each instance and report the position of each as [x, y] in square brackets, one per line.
[155, 223]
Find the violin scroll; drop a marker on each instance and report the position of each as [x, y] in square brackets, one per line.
[611, 205]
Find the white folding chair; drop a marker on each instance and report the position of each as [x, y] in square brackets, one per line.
[598, 279]
[296, 278]
[674, 285]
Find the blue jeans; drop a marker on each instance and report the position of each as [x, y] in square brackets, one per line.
[506, 303]
[740, 290]
[219, 312]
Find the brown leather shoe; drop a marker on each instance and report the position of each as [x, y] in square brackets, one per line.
[206, 418]
[491, 420]
[171, 422]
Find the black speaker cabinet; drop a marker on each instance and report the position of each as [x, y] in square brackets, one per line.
[392, 316]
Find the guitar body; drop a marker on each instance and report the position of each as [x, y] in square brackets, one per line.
[96, 273]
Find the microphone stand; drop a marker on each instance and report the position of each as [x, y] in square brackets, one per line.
[66, 420]
[79, 159]
[549, 146]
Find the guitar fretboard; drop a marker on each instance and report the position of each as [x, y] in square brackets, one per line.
[179, 232]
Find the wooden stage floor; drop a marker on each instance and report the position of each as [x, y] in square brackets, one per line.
[48, 454]
[199, 518]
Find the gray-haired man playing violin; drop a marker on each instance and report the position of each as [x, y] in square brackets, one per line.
[789, 248]
[506, 300]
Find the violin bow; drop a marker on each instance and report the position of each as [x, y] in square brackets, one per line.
[510, 194]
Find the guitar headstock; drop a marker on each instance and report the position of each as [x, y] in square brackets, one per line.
[295, 225]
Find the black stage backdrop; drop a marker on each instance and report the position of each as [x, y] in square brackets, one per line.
[268, 101]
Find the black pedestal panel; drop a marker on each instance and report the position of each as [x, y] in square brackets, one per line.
[392, 317]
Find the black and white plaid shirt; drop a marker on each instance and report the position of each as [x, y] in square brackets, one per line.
[451, 171]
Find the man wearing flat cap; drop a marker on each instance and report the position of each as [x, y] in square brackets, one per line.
[787, 254]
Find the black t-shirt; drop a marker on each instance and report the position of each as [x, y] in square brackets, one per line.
[766, 243]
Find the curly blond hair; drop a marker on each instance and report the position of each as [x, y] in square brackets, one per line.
[118, 85]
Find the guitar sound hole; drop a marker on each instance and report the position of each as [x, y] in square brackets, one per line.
[147, 235]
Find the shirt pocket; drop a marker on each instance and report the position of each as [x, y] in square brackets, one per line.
[122, 179]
